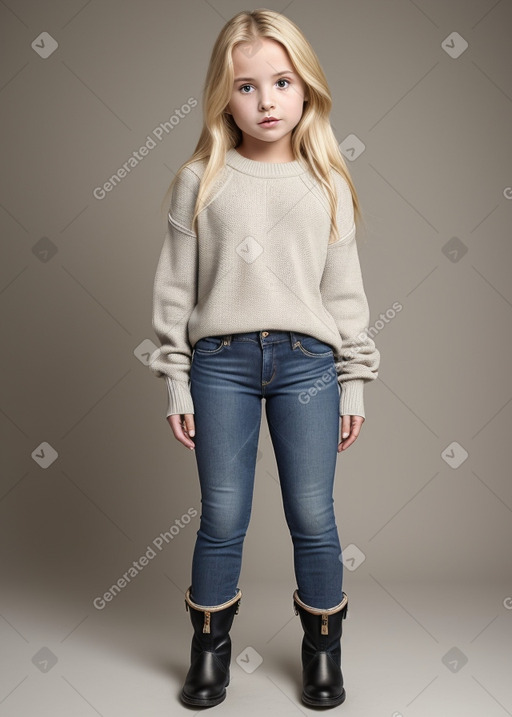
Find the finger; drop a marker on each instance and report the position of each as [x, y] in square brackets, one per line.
[178, 425]
[344, 432]
[353, 424]
[345, 427]
[189, 424]
[188, 429]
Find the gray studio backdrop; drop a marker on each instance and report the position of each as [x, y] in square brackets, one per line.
[92, 477]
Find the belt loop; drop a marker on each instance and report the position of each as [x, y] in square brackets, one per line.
[227, 339]
[292, 339]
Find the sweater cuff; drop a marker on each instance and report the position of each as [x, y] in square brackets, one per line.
[180, 398]
[351, 398]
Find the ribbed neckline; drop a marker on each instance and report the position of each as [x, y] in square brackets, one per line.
[264, 169]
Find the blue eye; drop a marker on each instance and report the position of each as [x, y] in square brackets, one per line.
[283, 80]
[242, 87]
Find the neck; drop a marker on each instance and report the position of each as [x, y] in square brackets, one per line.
[279, 151]
[257, 168]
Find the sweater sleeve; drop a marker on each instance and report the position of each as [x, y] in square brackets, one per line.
[174, 296]
[344, 298]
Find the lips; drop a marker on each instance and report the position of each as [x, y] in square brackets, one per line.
[269, 120]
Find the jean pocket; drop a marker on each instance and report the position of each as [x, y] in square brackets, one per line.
[311, 346]
[209, 345]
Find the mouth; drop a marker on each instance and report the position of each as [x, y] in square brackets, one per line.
[269, 121]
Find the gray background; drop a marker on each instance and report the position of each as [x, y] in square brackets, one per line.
[430, 533]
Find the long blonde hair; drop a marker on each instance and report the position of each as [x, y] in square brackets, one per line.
[312, 139]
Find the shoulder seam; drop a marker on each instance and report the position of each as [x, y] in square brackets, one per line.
[189, 171]
[344, 239]
[181, 227]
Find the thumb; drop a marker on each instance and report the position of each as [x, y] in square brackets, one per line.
[345, 426]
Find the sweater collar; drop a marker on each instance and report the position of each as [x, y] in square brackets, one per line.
[264, 169]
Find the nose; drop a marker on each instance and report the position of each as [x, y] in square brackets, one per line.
[267, 105]
[266, 101]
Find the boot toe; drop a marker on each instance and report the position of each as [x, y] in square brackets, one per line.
[205, 697]
[322, 697]
[206, 681]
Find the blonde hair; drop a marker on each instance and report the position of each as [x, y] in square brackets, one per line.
[312, 139]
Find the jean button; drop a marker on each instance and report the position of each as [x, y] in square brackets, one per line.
[264, 333]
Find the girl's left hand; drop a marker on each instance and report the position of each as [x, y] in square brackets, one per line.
[350, 427]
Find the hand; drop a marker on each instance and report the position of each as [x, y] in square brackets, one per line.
[183, 426]
[350, 425]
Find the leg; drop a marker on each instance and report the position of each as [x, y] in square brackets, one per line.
[304, 429]
[303, 416]
[227, 419]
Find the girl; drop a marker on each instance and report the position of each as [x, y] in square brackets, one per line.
[258, 294]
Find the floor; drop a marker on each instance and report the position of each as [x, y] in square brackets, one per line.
[409, 650]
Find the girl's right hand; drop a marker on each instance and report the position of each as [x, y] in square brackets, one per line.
[183, 426]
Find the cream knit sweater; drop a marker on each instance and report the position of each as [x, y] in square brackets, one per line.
[260, 260]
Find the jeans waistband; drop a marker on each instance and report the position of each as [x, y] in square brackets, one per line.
[264, 336]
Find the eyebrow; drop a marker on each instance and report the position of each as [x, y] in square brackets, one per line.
[251, 79]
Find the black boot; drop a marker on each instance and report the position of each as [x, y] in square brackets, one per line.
[210, 654]
[322, 677]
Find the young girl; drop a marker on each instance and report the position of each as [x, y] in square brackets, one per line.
[258, 294]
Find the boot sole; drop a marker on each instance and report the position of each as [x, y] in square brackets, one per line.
[197, 702]
[327, 702]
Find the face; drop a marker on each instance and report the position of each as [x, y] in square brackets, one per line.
[265, 85]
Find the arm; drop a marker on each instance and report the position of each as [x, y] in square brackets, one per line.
[344, 298]
[174, 296]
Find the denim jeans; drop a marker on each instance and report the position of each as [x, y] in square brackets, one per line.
[296, 375]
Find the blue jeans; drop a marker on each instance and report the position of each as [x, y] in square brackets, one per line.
[296, 375]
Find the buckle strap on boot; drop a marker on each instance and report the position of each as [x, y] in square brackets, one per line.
[208, 609]
[324, 629]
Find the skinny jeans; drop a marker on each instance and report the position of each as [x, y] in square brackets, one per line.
[296, 375]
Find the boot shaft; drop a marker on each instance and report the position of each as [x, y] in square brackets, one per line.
[212, 623]
[322, 628]
[322, 677]
[210, 654]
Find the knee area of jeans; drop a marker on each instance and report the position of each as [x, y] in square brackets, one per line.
[311, 528]
[224, 534]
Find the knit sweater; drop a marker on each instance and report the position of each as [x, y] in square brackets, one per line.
[260, 260]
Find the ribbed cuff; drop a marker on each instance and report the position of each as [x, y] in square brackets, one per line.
[180, 399]
[351, 398]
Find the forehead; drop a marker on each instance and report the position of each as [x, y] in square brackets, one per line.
[263, 56]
